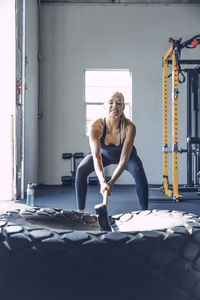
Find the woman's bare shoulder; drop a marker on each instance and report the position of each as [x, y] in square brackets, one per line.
[130, 124]
[97, 127]
[97, 124]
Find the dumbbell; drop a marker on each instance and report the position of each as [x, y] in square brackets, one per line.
[67, 180]
[79, 155]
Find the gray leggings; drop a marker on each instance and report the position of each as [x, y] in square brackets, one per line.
[134, 166]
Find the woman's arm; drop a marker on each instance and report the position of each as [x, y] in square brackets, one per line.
[94, 137]
[125, 154]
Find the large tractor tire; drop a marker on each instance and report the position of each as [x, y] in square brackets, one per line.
[43, 258]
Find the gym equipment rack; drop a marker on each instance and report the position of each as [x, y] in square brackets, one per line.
[174, 52]
[70, 180]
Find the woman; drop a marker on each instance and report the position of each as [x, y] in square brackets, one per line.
[111, 142]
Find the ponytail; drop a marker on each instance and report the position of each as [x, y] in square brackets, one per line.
[123, 127]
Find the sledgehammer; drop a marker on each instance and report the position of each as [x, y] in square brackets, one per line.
[101, 211]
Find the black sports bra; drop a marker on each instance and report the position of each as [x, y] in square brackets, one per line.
[110, 146]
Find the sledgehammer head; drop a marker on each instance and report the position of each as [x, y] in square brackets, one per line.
[103, 219]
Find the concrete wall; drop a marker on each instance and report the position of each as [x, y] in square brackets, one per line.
[77, 37]
[31, 96]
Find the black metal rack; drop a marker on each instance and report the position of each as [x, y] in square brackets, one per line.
[193, 122]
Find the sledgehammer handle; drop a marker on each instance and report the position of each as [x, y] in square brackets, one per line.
[105, 198]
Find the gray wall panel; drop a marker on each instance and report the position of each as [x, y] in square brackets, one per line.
[76, 37]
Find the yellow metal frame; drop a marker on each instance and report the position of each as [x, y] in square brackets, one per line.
[175, 191]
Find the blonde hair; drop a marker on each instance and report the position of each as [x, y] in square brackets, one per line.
[123, 127]
[123, 123]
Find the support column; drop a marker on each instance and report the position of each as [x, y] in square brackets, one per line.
[189, 131]
[165, 149]
[165, 128]
[175, 128]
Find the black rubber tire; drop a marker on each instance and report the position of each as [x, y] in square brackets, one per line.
[53, 264]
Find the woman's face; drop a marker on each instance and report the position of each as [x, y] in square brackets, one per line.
[115, 106]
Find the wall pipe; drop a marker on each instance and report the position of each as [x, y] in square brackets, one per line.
[39, 62]
[23, 94]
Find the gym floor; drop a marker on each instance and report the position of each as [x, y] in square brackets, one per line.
[123, 199]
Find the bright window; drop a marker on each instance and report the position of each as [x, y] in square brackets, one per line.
[99, 86]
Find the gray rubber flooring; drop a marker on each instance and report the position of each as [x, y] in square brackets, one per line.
[123, 199]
